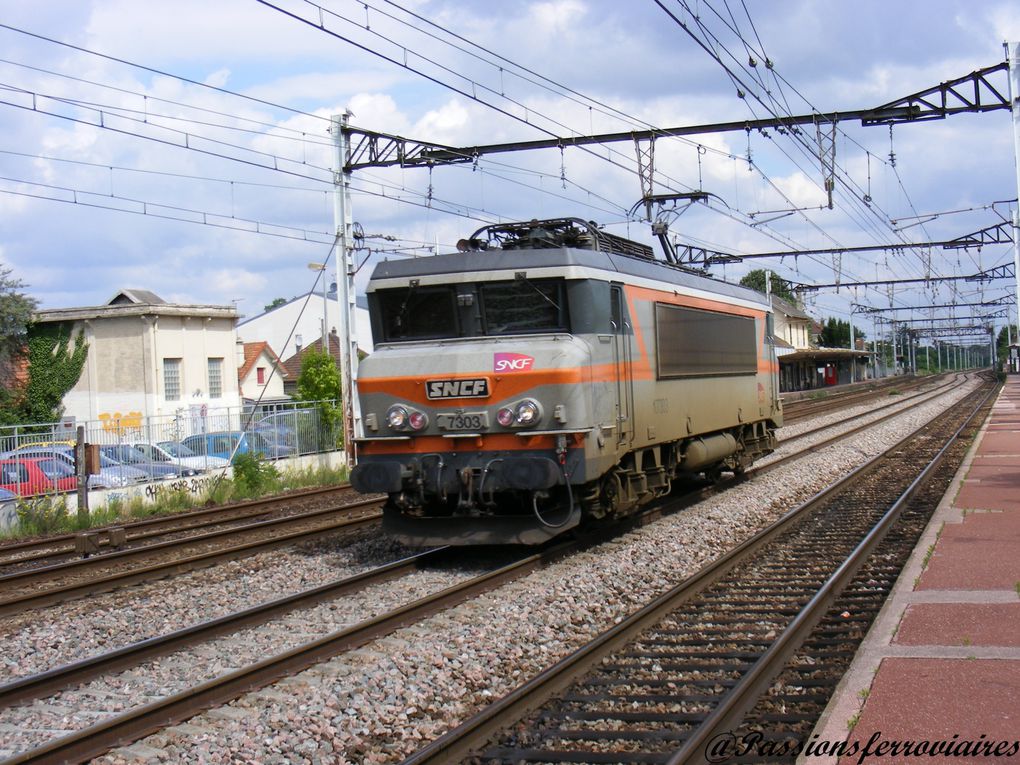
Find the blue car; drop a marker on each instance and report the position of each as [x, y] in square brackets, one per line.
[225, 443]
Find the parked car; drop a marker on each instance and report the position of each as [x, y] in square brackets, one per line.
[279, 442]
[112, 475]
[295, 430]
[224, 443]
[129, 455]
[174, 453]
[8, 509]
[25, 476]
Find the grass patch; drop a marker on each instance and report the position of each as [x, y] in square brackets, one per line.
[256, 479]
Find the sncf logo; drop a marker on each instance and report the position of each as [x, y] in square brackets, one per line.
[457, 388]
[511, 362]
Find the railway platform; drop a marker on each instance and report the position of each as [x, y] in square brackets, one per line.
[941, 662]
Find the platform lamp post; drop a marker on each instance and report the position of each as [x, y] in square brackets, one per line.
[321, 268]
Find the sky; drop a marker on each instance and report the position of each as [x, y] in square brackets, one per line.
[183, 147]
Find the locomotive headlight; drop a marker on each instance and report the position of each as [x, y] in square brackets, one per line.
[521, 414]
[417, 420]
[396, 417]
[527, 412]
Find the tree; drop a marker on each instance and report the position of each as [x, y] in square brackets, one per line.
[1002, 343]
[319, 382]
[836, 334]
[780, 287]
[277, 302]
[16, 311]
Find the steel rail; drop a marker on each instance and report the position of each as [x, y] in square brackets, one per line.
[150, 527]
[841, 436]
[132, 725]
[179, 565]
[176, 708]
[811, 408]
[742, 696]
[924, 395]
[68, 675]
[464, 740]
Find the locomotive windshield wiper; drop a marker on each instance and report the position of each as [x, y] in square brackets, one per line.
[521, 276]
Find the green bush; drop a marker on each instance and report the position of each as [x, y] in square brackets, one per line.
[38, 516]
[253, 476]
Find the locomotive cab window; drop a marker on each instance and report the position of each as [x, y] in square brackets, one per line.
[694, 342]
[523, 306]
[413, 313]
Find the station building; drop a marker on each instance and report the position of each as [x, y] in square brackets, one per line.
[803, 365]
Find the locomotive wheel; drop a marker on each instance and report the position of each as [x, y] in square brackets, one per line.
[610, 496]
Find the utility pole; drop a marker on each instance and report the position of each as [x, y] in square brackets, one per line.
[350, 409]
[1013, 56]
[853, 359]
[895, 364]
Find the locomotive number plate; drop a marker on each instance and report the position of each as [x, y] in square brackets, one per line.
[463, 421]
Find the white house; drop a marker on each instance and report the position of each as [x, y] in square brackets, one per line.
[260, 374]
[148, 357]
[298, 323]
[792, 324]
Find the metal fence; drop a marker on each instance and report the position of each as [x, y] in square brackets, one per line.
[39, 458]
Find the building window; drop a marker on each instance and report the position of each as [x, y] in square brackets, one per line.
[215, 378]
[172, 379]
[260, 375]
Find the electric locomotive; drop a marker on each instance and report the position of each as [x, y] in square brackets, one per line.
[550, 374]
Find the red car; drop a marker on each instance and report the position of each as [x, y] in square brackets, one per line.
[36, 475]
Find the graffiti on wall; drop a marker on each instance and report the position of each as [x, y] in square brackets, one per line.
[189, 485]
[115, 422]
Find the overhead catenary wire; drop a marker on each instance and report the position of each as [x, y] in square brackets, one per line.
[854, 198]
[141, 117]
[715, 54]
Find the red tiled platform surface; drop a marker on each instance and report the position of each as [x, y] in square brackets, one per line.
[944, 662]
[961, 624]
[993, 483]
[935, 699]
[982, 553]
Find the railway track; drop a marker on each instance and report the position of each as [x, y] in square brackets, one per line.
[795, 411]
[19, 556]
[206, 537]
[42, 586]
[179, 706]
[175, 544]
[892, 408]
[676, 678]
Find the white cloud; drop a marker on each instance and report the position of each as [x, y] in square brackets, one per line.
[631, 57]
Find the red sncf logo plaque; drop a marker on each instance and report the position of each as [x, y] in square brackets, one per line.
[511, 362]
